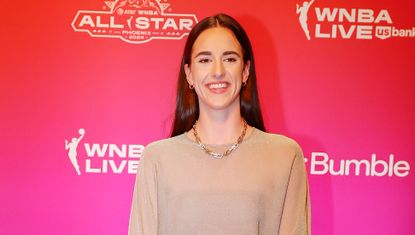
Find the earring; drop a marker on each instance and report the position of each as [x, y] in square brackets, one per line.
[244, 83]
[191, 87]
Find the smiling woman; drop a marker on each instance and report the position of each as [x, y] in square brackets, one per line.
[220, 173]
[218, 69]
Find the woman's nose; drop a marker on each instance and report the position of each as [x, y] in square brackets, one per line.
[218, 70]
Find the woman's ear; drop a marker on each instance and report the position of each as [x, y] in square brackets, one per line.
[245, 72]
[188, 74]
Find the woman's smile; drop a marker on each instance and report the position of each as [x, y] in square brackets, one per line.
[218, 87]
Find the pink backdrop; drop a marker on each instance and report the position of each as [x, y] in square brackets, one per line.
[346, 93]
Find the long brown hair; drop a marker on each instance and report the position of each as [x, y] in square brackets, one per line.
[187, 105]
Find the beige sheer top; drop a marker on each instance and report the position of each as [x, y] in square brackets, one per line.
[261, 188]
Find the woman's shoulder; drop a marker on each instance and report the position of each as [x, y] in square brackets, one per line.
[165, 145]
[274, 138]
[277, 145]
[277, 140]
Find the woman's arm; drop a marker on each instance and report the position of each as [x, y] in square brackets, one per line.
[144, 215]
[296, 216]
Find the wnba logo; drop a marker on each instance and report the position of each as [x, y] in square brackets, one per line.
[348, 23]
[303, 15]
[103, 158]
[72, 146]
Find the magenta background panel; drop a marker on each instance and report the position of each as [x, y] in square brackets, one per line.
[346, 95]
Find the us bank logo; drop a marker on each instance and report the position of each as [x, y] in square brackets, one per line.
[348, 23]
[134, 21]
[101, 158]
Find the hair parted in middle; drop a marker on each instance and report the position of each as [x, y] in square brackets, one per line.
[187, 105]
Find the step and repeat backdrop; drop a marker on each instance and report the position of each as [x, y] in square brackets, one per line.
[87, 84]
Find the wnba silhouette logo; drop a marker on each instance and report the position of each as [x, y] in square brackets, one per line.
[72, 146]
[303, 16]
[134, 21]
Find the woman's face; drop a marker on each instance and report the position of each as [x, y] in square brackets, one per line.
[217, 69]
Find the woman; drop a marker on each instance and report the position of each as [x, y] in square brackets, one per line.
[220, 173]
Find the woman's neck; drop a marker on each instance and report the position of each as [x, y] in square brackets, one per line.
[219, 127]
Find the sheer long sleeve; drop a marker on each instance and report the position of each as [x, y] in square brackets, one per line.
[296, 215]
[144, 211]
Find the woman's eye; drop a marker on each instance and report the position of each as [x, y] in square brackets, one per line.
[231, 59]
[204, 60]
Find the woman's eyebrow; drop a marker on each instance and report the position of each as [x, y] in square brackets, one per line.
[203, 53]
[231, 53]
[208, 53]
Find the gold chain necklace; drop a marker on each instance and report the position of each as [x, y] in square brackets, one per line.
[228, 151]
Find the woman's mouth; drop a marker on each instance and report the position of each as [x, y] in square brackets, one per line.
[218, 87]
